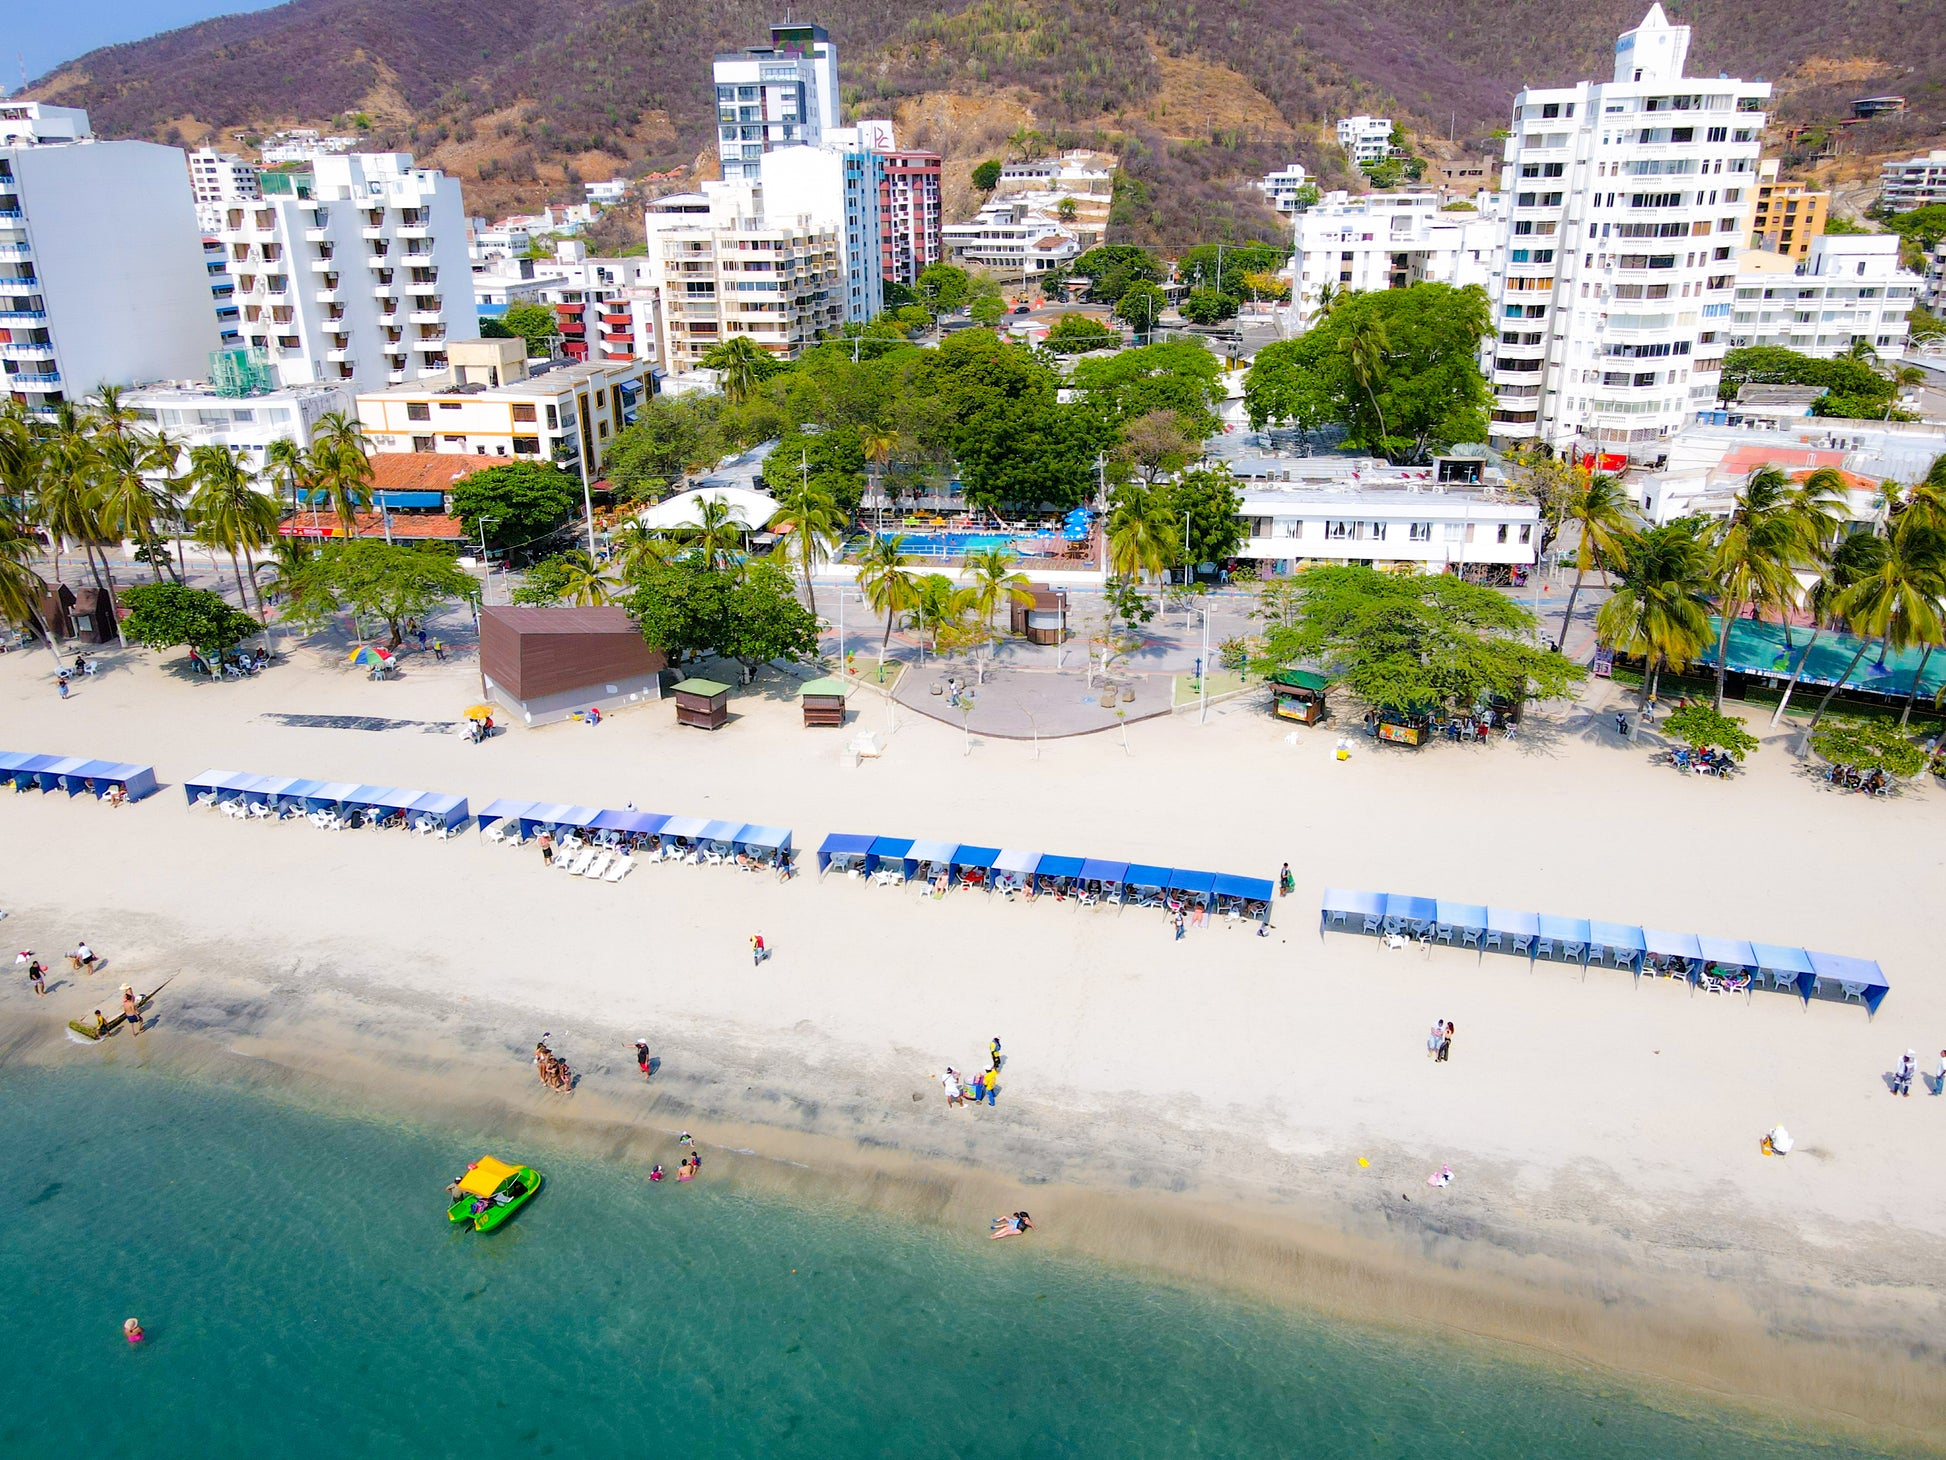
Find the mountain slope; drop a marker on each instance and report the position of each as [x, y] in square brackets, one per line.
[519, 97]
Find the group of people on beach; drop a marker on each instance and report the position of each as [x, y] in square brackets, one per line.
[984, 1086]
[1907, 1070]
[688, 1167]
[1439, 1043]
[552, 1069]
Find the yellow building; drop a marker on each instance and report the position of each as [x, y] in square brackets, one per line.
[1786, 215]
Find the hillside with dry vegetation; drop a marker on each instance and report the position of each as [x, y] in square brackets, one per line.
[524, 99]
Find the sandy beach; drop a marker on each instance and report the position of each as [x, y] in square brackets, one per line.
[1200, 1107]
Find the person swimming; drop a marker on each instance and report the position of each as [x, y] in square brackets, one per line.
[132, 1330]
[655, 1172]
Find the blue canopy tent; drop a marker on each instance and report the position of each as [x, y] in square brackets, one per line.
[610, 821]
[1510, 930]
[539, 815]
[397, 801]
[365, 798]
[684, 826]
[1565, 938]
[893, 849]
[11, 759]
[1411, 914]
[642, 823]
[929, 858]
[502, 809]
[213, 785]
[330, 796]
[1466, 920]
[445, 810]
[1112, 876]
[1253, 895]
[1353, 911]
[82, 778]
[1194, 886]
[1052, 871]
[973, 866]
[1856, 978]
[581, 818]
[1620, 943]
[26, 775]
[765, 845]
[1018, 865]
[268, 790]
[1662, 944]
[136, 781]
[1785, 968]
[1144, 884]
[1731, 953]
[721, 837]
[53, 777]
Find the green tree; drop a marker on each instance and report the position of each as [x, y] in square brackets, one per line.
[21, 588]
[671, 438]
[741, 364]
[987, 310]
[1701, 727]
[382, 580]
[1137, 534]
[1598, 508]
[519, 501]
[229, 513]
[995, 581]
[163, 615]
[1755, 551]
[1157, 444]
[1111, 268]
[938, 605]
[1182, 376]
[1851, 388]
[886, 579]
[1398, 368]
[534, 323]
[1207, 307]
[1660, 606]
[945, 287]
[1896, 602]
[986, 175]
[692, 608]
[1141, 305]
[717, 533]
[570, 577]
[132, 505]
[1208, 501]
[1842, 565]
[1077, 334]
[339, 468]
[1222, 267]
[1869, 745]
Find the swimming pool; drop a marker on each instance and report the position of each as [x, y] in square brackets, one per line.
[952, 544]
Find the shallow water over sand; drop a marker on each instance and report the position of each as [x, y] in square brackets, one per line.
[302, 1291]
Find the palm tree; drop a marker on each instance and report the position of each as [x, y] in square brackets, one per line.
[1852, 559]
[130, 503]
[1754, 554]
[20, 586]
[634, 547]
[718, 531]
[886, 579]
[878, 444]
[340, 468]
[584, 584]
[284, 462]
[1661, 602]
[1365, 350]
[1897, 602]
[812, 526]
[65, 501]
[1134, 544]
[995, 581]
[1597, 506]
[741, 364]
[229, 512]
[1330, 295]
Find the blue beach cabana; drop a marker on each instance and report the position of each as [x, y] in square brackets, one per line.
[610, 821]
[213, 786]
[1466, 921]
[891, 853]
[1729, 953]
[1015, 869]
[540, 816]
[719, 840]
[1854, 978]
[849, 849]
[25, 775]
[1057, 874]
[1510, 930]
[682, 830]
[1192, 887]
[1784, 968]
[10, 760]
[973, 866]
[643, 823]
[1407, 914]
[268, 790]
[928, 860]
[764, 845]
[1112, 877]
[397, 801]
[365, 798]
[1563, 938]
[1144, 884]
[501, 809]
[1620, 943]
[444, 810]
[53, 776]
[83, 777]
[136, 781]
[1247, 896]
[1355, 912]
[330, 796]
[1666, 945]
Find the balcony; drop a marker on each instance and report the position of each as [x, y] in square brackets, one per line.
[423, 287]
[378, 260]
[385, 291]
[430, 347]
[26, 351]
[328, 296]
[426, 316]
[373, 231]
[17, 318]
[338, 357]
[317, 235]
[412, 230]
[325, 265]
[16, 250]
[51, 380]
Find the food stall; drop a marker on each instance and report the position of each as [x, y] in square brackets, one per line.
[1298, 694]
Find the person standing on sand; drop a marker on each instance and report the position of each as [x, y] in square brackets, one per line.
[1939, 1080]
[1902, 1077]
[642, 1061]
[1446, 1043]
[131, 1008]
[1180, 923]
[547, 849]
[993, 1052]
[1285, 882]
[758, 953]
[37, 976]
[1432, 1039]
[83, 959]
[949, 1082]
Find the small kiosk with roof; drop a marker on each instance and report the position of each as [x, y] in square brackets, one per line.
[703, 703]
[823, 701]
[1298, 694]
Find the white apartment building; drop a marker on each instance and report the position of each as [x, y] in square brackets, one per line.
[1355, 244]
[1394, 521]
[1914, 183]
[784, 94]
[836, 187]
[722, 267]
[1076, 173]
[607, 193]
[1628, 203]
[218, 179]
[492, 401]
[1011, 239]
[1280, 188]
[355, 271]
[1850, 289]
[1367, 139]
[197, 414]
[606, 307]
[301, 145]
[102, 280]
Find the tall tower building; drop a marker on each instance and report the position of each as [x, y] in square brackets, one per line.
[784, 94]
[1628, 200]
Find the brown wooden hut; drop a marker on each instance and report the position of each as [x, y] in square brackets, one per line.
[703, 703]
[543, 664]
[823, 701]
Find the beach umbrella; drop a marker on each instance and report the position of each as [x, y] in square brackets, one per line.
[368, 654]
[480, 712]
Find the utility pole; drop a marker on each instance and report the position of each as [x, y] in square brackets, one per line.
[1187, 569]
[486, 563]
[586, 422]
[1202, 714]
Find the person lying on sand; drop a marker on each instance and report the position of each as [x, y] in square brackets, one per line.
[1012, 1226]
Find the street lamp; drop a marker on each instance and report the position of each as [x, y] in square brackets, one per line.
[486, 563]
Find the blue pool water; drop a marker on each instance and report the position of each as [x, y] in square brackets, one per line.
[305, 1296]
[952, 544]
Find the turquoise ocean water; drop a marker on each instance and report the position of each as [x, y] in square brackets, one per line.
[304, 1296]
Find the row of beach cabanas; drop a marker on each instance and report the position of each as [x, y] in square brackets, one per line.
[1008, 870]
[326, 802]
[1700, 959]
[75, 774]
[683, 836]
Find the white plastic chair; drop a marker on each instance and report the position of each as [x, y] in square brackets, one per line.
[1854, 991]
[1545, 949]
[1494, 941]
[1443, 934]
[1372, 923]
[1523, 942]
[1469, 937]
[497, 832]
[581, 860]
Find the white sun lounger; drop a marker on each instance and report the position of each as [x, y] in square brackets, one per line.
[623, 866]
[581, 860]
[595, 868]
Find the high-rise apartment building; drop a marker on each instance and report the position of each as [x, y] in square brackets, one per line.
[837, 186]
[909, 215]
[723, 266]
[217, 179]
[1848, 290]
[1628, 201]
[101, 263]
[1917, 182]
[784, 94]
[1786, 215]
[356, 270]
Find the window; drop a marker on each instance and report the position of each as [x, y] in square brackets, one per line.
[527, 445]
[524, 412]
[553, 418]
[1419, 531]
[422, 443]
[1553, 169]
[449, 405]
[417, 410]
